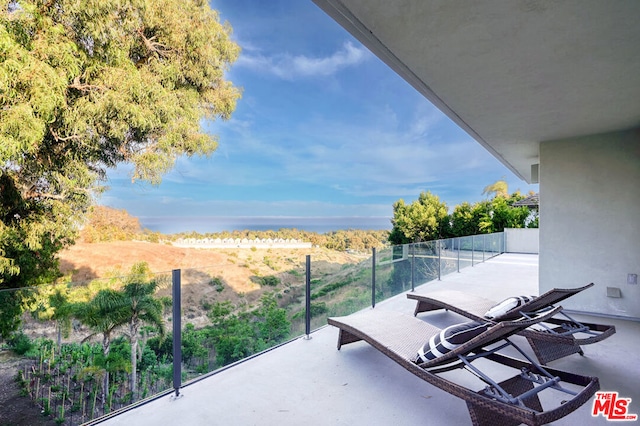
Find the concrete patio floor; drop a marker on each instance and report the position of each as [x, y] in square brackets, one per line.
[311, 382]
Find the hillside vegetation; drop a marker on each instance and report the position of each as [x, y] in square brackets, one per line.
[106, 224]
[235, 302]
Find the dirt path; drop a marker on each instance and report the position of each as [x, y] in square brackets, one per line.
[16, 410]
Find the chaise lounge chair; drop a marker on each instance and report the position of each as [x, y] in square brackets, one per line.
[553, 339]
[512, 401]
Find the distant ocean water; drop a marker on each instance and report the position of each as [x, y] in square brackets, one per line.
[214, 224]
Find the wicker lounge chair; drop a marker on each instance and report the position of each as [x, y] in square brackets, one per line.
[553, 339]
[512, 401]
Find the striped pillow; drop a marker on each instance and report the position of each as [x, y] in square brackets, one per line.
[506, 306]
[449, 339]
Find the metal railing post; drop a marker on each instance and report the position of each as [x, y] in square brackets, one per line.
[177, 330]
[439, 248]
[413, 266]
[373, 277]
[473, 249]
[483, 247]
[307, 316]
[504, 242]
[458, 254]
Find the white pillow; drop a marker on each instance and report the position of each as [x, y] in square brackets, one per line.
[506, 306]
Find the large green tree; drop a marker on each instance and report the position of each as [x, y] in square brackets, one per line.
[85, 86]
[466, 218]
[423, 220]
[502, 214]
[427, 218]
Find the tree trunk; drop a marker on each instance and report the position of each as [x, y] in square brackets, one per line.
[106, 346]
[59, 342]
[133, 330]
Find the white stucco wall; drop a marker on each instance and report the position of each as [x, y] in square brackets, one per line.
[522, 240]
[590, 220]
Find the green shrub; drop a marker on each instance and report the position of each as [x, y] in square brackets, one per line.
[331, 287]
[270, 263]
[295, 273]
[218, 283]
[316, 310]
[270, 280]
[20, 343]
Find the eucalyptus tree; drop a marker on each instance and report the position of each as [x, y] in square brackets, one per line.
[85, 86]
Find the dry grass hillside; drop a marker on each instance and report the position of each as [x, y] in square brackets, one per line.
[239, 269]
[88, 261]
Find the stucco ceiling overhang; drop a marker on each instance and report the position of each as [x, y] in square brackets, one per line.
[510, 73]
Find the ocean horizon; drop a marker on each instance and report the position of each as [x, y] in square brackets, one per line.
[215, 224]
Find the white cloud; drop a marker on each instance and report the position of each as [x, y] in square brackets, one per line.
[290, 67]
[371, 157]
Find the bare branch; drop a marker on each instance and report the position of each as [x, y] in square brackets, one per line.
[85, 87]
[59, 138]
[33, 194]
[152, 45]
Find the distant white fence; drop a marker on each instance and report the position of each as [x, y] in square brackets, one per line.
[522, 240]
[240, 243]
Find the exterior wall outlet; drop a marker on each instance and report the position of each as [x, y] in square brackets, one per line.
[632, 278]
[614, 292]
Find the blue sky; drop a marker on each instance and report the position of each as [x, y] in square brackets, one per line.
[324, 128]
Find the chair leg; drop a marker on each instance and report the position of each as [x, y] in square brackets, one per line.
[424, 306]
[484, 416]
[344, 337]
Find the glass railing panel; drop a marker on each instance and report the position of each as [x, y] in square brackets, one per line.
[30, 353]
[425, 263]
[393, 271]
[490, 246]
[73, 348]
[449, 256]
[479, 247]
[153, 339]
[336, 290]
[222, 322]
[496, 244]
[467, 255]
[226, 321]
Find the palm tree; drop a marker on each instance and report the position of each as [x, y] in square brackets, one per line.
[53, 304]
[141, 308]
[59, 301]
[499, 188]
[103, 314]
